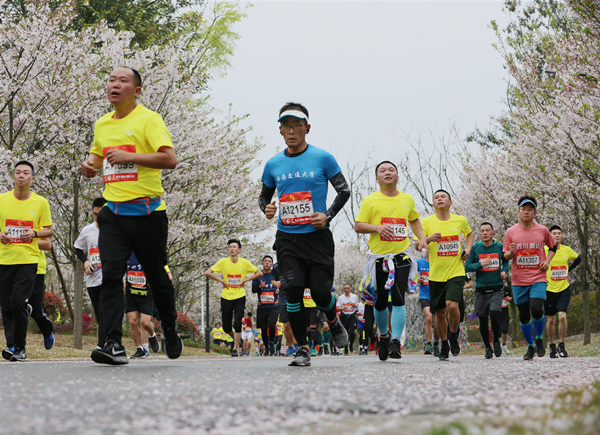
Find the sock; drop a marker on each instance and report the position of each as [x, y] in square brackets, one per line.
[398, 321]
[381, 318]
[313, 334]
[452, 335]
[145, 346]
[152, 336]
[538, 324]
[326, 335]
[320, 339]
[429, 343]
[496, 319]
[527, 329]
[485, 331]
[141, 347]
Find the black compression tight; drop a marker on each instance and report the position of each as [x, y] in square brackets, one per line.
[535, 305]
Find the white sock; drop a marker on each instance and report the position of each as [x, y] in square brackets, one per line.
[152, 336]
[145, 345]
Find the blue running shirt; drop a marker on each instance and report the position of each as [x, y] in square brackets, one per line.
[423, 268]
[301, 183]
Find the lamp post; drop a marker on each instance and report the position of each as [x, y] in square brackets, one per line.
[206, 328]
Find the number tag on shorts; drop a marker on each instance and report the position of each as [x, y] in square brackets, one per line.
[307, 294]
[493, 266]
[14, 228]
[234, 281]
[120, 172]
[398, 226]
[424, 277]
[267, 298]
[558, 273]
[528, 259]
[448, 246]
[95, 258]
[504, 303]
[136, 278]
[296, 208]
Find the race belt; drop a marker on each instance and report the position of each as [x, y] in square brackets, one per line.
[139, 292]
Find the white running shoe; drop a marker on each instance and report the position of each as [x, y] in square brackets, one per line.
[505, 349]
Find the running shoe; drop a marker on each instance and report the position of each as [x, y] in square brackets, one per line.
[372, 344]
[553, 352]
[489, 353]
[234, 352]
[19, 355]
[339, 335]
[320, 353]
[436, 349]
[395, 349]
[8, 353]
[454, 347]
[49, 341]
[384, 347]
[562, 352]
[272, 349]
[302, 358]
[505, 349]
[147, 352]
[497, 349]
[113, 353]
[445, 351]
[139, 353]
[313, 352]
[290, 351]
[539, 347]
[154, 343]
[326, 349]
[530, 353]
[173, 343]
[428, 349]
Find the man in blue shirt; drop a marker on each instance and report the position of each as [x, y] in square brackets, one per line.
[304, 242]
[268, 305]
[424, 300]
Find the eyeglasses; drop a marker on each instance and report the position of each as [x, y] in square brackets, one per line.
[294, 127]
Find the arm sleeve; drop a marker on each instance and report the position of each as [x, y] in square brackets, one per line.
[255, 286]
[575, 263]
[338, 181]
[266, 194]
[80, 255]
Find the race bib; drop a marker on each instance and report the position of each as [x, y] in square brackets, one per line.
[307, 294]
[504, 303]
[267, 298]
[15, 227]
[528, 259]
[398, 226]
[136, 279]
[95, 258]
[448, 246]
[494, 265]
[348, 308]
[424, 277]
[234, 281]
[558, 273]
[296, 208]
[120, 172]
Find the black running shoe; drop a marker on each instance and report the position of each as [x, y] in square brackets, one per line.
[113, 353]
[8, 353]
[489, 353]
[339, 335]
[302, 358]
[530, 353]
[553, 352]
[539, 347]
[139, 353]
[272, 349]
[562, 352]
[395, 349]
[154, 343]
[454, 347]
[384, 347]
[173, 343]
[497, 349]
[234, 352]
[445, 351]
[19, 355]
[326, 348]
[320, 353]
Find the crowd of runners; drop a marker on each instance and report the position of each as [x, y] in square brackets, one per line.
[123, 252]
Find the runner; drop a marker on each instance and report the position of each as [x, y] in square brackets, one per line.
[24, 217]
[247, 335]
[490, 266]
[386, 215]
[278, 337]
[268, 303]
[138, 306]
[446, 271]
[347, 304]
[86, 248]
[314, 320]
[233, 297]
[132, 144]
[304, 243]
[505, 316]
[526, 241]
[216, 334]
[292, 346]
[558, 294]
[423, 281]
[363, 342]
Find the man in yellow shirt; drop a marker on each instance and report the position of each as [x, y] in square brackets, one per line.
[24, 218]
[446, 270]
[558, 293]
[386, 216]
[216, 333]
[234, 270]
[131, 145]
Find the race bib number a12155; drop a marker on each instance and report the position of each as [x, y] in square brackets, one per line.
[448, 246]
[296, 208]
[398, 226]
[119, 172]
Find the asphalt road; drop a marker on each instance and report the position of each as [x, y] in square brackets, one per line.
[258, 395]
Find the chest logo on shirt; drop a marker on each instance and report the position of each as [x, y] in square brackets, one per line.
[129, 133]
[305, 174]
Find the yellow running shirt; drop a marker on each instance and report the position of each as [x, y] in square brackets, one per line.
[42, 263]
[558, 272]
[397, 211]
[444, 256]
[234, 274]
[142, 131]
[16, 217]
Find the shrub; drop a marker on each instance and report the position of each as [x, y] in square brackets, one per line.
[54, 306]
[186, 326]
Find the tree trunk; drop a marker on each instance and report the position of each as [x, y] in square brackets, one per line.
[583, 233]
[63, 285]
[78, 278]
